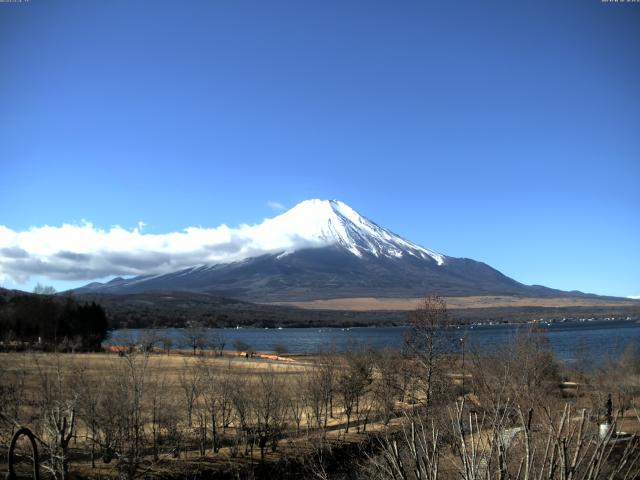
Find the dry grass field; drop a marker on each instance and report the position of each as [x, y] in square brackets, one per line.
[408, 304]
[184, 415]
[182, 385]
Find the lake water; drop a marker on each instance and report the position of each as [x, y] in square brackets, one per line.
[598, 340]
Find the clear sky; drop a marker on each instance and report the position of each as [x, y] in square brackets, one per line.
[504, 131]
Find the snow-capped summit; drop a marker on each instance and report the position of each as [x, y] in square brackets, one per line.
[323, 249]
[332, 222]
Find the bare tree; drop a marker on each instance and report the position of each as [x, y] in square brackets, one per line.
[296, 399]
[320, 389]
[58, 403]
[147, 340]
[216, 341]
[157, 405]
[563, 447]
[627, 367]
[364, 363]
[534, 371]
[524, 372]
[167, 343]
[202, 413]
[171, 435]
[242, 347]
[353, 380]
[224, 386]
[122, 414]
[195, 335]
[212, 401]
[427, 341]
[90, 393]
[387, 386]
[190, 381]
[12, 399]
[241, 400]
[270, 407]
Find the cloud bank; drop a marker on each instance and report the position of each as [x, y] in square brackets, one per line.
[85, 252]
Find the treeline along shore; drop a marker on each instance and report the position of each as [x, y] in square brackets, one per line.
[51, 322]
[176, 309]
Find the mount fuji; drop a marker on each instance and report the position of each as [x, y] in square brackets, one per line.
[324, 249]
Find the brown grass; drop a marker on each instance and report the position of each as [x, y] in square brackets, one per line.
[371, 304]
[173, 366]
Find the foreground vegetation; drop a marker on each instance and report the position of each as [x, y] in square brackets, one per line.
[419, 413]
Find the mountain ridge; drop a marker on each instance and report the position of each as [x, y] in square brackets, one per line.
[338, 253]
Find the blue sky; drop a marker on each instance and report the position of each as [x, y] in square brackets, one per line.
[507, 132]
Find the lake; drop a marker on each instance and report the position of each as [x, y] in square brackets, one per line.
[595, 340]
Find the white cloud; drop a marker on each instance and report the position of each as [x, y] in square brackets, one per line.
[277, 206]
[83, 251]
[634, 297]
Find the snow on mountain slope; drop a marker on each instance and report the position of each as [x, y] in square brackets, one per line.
[323, 249]
[331, 222]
